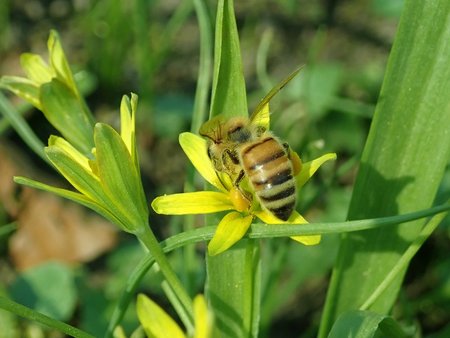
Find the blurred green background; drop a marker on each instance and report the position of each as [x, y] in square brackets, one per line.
[152, 48]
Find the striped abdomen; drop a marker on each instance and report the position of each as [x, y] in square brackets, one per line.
[269, 170]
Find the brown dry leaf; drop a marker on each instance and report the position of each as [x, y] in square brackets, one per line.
[49, 228]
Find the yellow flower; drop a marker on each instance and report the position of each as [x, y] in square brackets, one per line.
[242, 210]
[51, 88]
[108, 179]
[158, 324]
[234, 224]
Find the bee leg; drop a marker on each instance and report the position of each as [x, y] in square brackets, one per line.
[239, 178]
[241, 200]
[230, 154]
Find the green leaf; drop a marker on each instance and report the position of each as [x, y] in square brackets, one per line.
[21, 126]
[155, 321]
[228, 91]
[65, 111]
[403, 161]
[119, 177]
[23, 88]
[233, 290]
[233, 276]
[365, 324]
[200, 110]
[48, 288]
[38, 317]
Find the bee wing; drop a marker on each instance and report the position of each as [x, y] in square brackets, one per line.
[261, 115]
[212, 127]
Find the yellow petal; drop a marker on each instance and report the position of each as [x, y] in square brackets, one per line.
[295, 218]
[67, 148]
[199, 202]
[155, 321]
[127, 121]
[59, 63]
[203, 321]
[261, 117]
[195, 148]
[309, 168]
[230, 230]
[37, 70]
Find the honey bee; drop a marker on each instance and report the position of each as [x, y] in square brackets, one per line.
[243, 147]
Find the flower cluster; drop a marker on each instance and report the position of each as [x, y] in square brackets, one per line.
[100, 163]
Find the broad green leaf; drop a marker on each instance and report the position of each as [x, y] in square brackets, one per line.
[119, 177]
[365, 324]
[155, 321]
[228, 91]
[48, 288]
[233, 298]
[23, 88]
[66, 113]
[403, 161]
[233, 290]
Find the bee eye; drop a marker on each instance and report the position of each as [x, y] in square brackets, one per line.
[239, 134]
[235, 130]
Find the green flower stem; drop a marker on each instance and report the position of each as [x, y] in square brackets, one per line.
[149, 240]
[404, 260]
[257, 231]
[24, 312]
